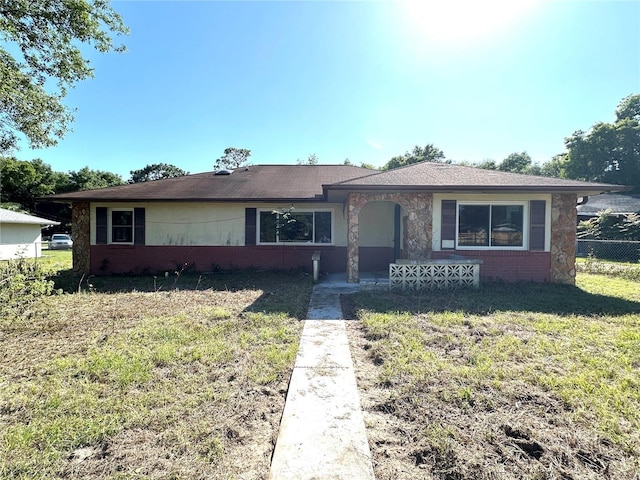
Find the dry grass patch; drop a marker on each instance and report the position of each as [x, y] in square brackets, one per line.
[136, 380]
[509, 382]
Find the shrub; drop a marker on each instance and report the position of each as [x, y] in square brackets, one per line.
[22, 282]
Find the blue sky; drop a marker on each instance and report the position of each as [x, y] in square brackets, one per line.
[358, 80]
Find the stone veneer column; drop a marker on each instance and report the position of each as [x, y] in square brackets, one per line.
[81, 235]
[419, 208]
[563, 238]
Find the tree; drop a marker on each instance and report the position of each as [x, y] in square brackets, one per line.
[87, 179]
[41, 59]
[629, 108]
[23, 182]
[311, 160]
[554, 167]
[516, 163]
[609, 152]
[368, 166]
[428, 153]
[487, 164]
[233, 158]
[156, 171]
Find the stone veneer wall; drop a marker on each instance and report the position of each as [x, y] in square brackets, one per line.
[563, 238]
[81, 235]
[418, 207]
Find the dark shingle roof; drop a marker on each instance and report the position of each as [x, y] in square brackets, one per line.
[449, 177]
[619, 204]
[311, 182]
[258, 182]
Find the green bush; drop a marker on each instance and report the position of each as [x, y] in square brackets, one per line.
[22, 282]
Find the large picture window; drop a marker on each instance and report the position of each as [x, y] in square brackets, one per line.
[297, 227]
[490, 225]
[122, 226]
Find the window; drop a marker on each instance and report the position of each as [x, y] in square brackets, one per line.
[298, 227]
[122, 226]
[491, 225]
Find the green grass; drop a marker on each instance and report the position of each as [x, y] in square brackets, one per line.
[468, 352]
[620, 269]
[189, 367]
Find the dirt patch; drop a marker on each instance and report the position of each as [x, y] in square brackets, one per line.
[233, 441]
[348, 307]
[198, 415]
[519, 431]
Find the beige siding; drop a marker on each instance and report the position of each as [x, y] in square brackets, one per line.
[211, 224]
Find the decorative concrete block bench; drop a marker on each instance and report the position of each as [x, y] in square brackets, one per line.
[434, 274]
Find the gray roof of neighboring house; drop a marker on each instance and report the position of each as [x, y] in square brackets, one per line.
[618, 204]
[312, 182]
[9, 216]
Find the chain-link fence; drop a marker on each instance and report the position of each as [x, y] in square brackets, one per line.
[618, 250]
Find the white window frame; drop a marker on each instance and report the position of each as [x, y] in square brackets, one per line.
[110, 225]
[491, 203]
[306, 210]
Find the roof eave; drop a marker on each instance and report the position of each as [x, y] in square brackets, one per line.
[581, 190]
[317, 198]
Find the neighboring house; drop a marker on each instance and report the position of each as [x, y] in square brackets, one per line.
[275, 216]
[619, 205]
[20, 234]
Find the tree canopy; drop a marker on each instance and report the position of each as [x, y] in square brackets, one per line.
[428, 153]
[24, 182]
[233, 158]
[87, 179]
[516, 163]
[312, 159]
[609, 152]
[156, 171]
[41, 58]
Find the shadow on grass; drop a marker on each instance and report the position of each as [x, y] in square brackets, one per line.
[493, 297]
[283, 292]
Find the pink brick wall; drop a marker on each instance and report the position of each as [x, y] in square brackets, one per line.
[136, 259]
[511, 266]
[505, 265]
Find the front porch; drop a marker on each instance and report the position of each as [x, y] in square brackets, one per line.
[410, 228]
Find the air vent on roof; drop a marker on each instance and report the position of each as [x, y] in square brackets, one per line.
[224, 171]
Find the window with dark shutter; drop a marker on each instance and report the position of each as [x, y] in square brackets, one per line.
[448, 225]
[101, 225]
[138, 226]
[537, 224]
[249, 226]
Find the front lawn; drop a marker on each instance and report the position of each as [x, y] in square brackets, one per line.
[124, 377]
[507, 382]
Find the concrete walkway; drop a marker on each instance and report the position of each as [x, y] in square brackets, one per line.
[322, 434]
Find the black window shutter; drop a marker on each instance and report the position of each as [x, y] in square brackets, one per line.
[448, 224]
[536, 228]
[249, 226]
[101, 225]
[138, 226]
